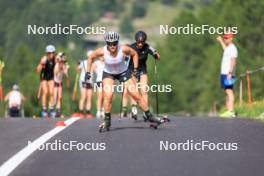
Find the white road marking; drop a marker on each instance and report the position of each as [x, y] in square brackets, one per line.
[19, 157]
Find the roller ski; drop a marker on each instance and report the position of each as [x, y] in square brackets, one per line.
[105, 126]
[155, 122]
[162, 120]
[43, 114]
[52, 113]
[58, 114]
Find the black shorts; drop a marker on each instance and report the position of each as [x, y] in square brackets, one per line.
[86, 85]
[14, 112]
[142, 70]
[122, 77]
[57, 84]
[47, 77]
[99, 84]
[48, 80]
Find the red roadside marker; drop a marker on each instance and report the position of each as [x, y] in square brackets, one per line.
[60, 123]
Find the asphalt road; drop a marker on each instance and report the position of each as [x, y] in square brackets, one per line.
[132, 148]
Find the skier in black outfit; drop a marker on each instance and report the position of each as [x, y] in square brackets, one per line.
[46, 70]
[143, 49]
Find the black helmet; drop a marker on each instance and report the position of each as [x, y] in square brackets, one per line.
[141, 36]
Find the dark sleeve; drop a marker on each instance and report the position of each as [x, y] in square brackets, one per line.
[152, 51]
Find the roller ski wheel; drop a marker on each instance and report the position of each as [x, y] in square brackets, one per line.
[134, 116]
[154, 120]
[59, 115]
[165, 119]
[103, 128]
[154, 126]
[145, 118]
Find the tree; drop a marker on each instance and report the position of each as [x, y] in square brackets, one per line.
[126, 26]
[139, 9]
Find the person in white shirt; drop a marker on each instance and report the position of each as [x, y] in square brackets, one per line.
[98, 69]
[60, 70]
[86, 87]
[14, 98]
[228, 67]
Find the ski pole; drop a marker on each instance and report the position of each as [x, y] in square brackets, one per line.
[121, 102]
[39, 90]
[74, 93]
[2, 65]
[156, 82]
[1, 92]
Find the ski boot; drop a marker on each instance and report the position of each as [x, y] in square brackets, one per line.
[58, 113]
[43, 113]
[134, 112]
[102, 113]
[154, 121]
[52, 113]
[105, 126]
[98, 114]
[124, 112]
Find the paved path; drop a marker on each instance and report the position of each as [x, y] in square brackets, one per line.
[132, 148]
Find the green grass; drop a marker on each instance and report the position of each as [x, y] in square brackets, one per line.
[255, 111]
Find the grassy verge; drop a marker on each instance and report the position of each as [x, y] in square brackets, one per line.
[255, 111]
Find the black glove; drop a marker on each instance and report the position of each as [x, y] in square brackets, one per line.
[136, 73]
[87, 76]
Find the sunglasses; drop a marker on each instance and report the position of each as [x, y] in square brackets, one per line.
[140, 42]
[112, 43]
